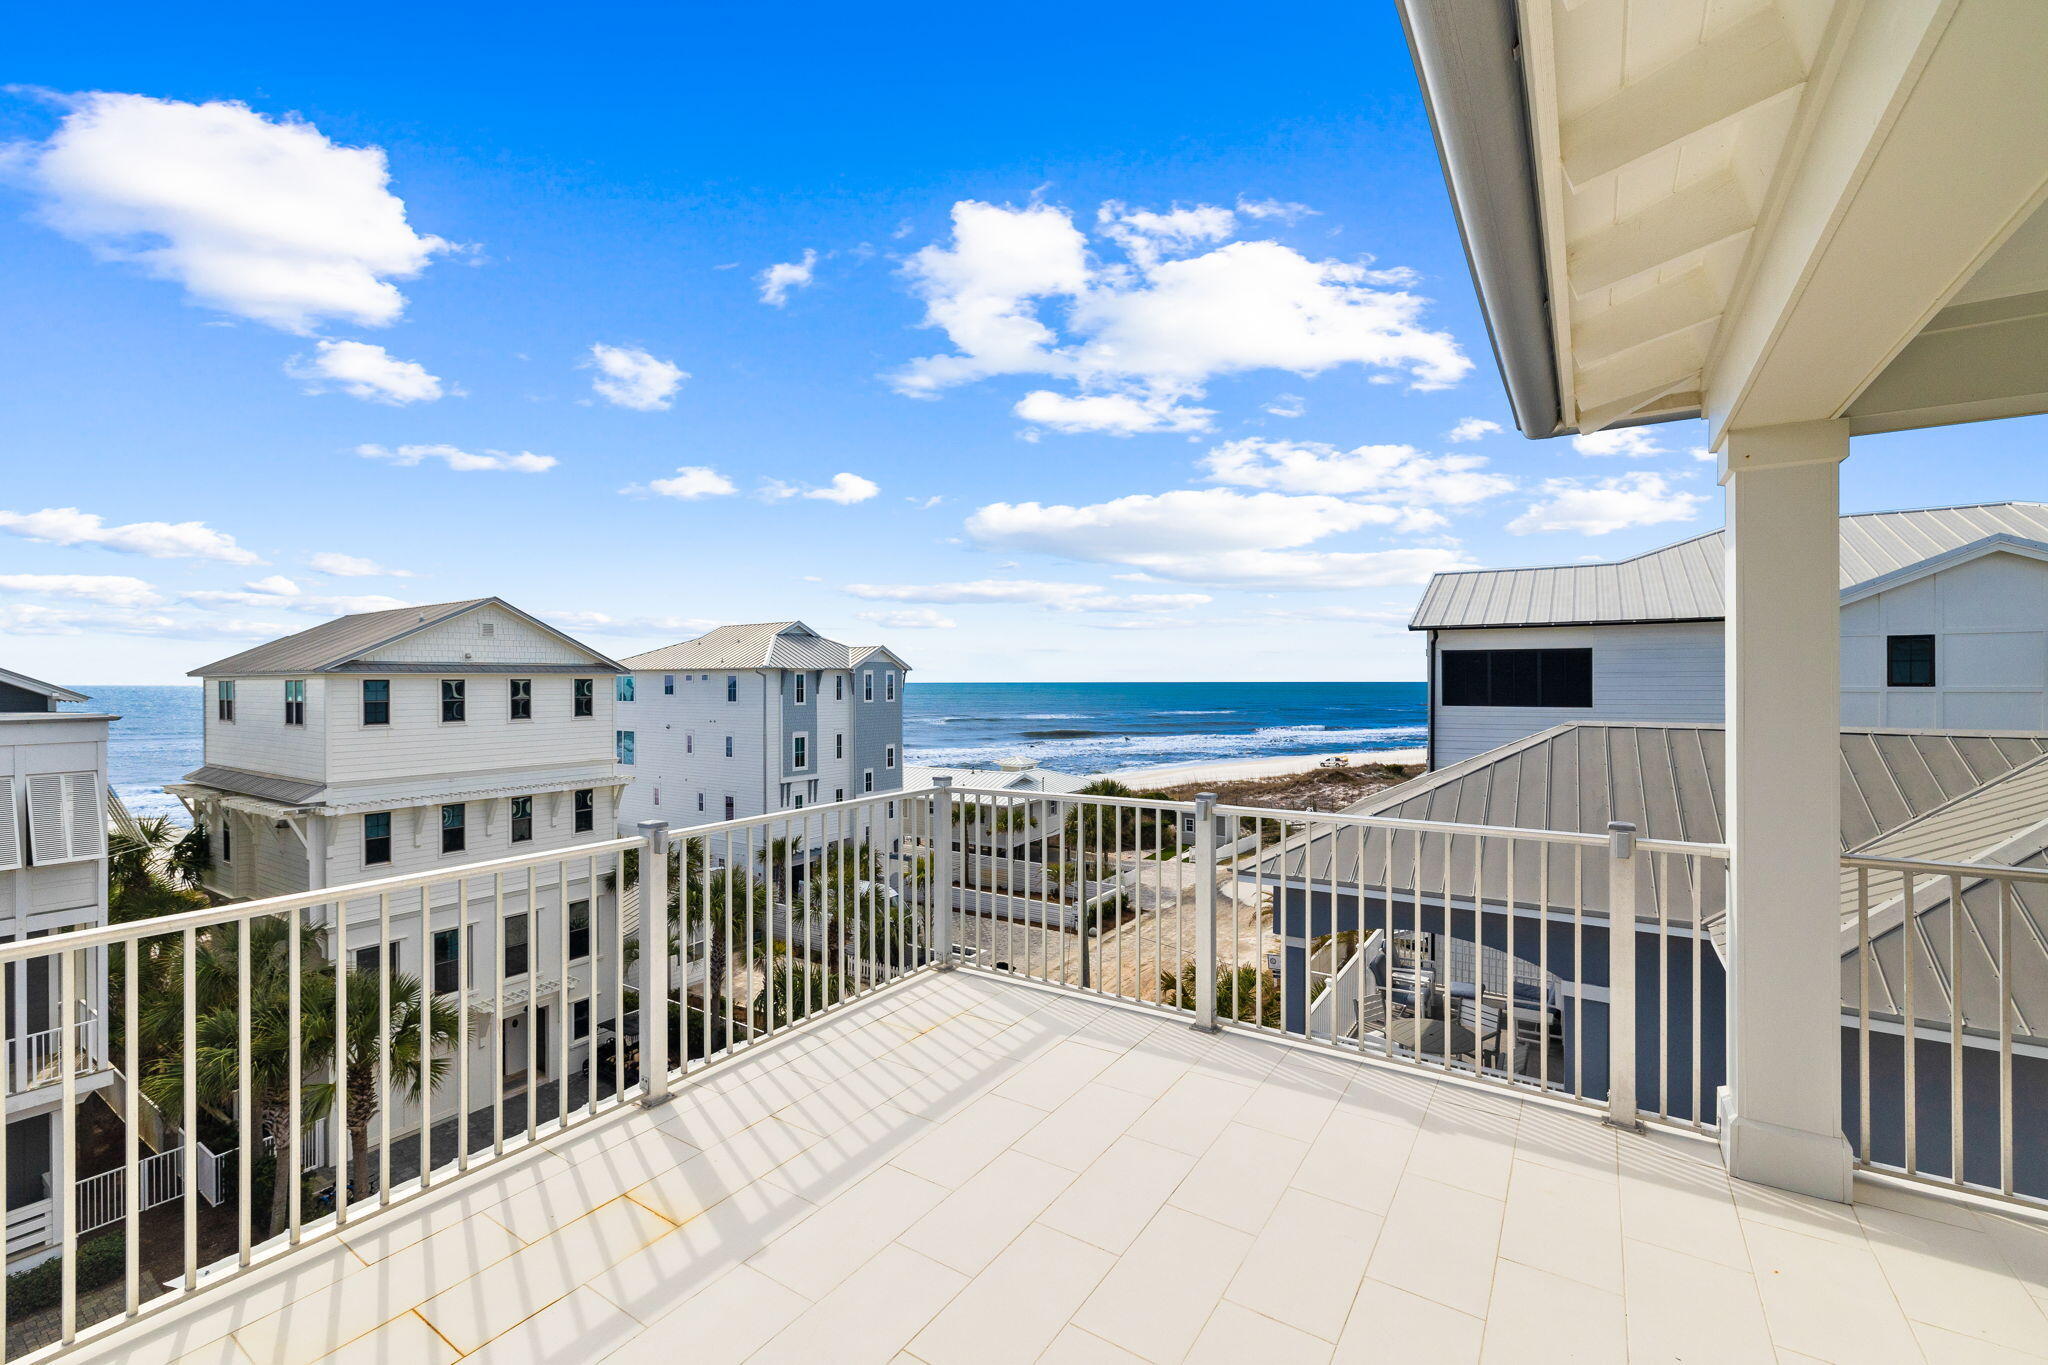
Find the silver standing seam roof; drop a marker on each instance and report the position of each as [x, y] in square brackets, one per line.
[336, 646]
[763, 644]
[48, 689]
[1682, 582]
[1933, 795]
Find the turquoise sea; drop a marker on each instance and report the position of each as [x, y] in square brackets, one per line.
[1070, 727]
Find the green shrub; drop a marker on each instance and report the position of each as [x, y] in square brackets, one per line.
[101, 1261]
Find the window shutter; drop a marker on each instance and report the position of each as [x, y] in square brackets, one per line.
[10, 835]
[64, 819]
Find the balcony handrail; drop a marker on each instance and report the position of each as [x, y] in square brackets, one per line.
[1404, 825]
[2005, 872]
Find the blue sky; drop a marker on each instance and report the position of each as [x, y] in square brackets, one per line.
[1124, 345]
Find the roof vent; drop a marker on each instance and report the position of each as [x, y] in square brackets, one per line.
[1015, 763]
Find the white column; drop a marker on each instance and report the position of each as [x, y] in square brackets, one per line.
[1781, 1113]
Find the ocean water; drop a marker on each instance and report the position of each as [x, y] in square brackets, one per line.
[1069, 727]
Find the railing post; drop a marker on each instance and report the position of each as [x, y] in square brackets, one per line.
[1205, 912]
[942, 872]
[1621, 976]
[653, 952]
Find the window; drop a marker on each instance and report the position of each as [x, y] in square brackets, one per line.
[522, 819]
[227, 841]
[839, 745]
[799, 750]
[668, 684]
[586, 697]
[453, 700]
[889, 757]
[732, 687]
[700, 800]
[623, 743]
[839, 687]
[366, 959]
[376, 701]
[579, 1019]
[728, 746]
[447, 968]
[889, 681]
[515, 945]
[801, 684]
[224, 700]
[622, 687]
[1518, 677]
[377, 837]
[294, 701]
[521, 700]
[867, 780]
[579, 930]
[690, 742]
[728, 808]
[839, 793]
[586, 811]
[454, 836]
[1909, 661]
[867, 687]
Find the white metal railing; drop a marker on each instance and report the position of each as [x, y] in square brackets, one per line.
[103, 1198]
[1946, 998]
[33, 1058]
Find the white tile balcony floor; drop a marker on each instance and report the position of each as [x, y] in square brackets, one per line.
[965, 1169]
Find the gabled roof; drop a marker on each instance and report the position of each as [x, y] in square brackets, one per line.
[50, 690]
[762, 644]
[1682, 582]
[332, 645]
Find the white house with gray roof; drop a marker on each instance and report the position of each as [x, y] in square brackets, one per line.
[397, 742]
[747, 719]
[1944, 626]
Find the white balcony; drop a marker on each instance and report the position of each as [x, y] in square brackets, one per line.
[969, 1169]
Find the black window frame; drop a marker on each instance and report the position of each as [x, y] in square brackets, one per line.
[579, 1020]
[522, 819]
[370, 969]
[583, 817]
[1555, 679]
[455, 837]
[517, 955]
[448, 968]
[454, 701]
[519, 698]
[377, 710]
[625, 747]
[584, 694]
[668, 684]
[732, 687]
[800, 689]
[729, 809]
[224, 700]
[376, 847]
[294, 706]
[1913, 666]
[799, 753]
[579, 936]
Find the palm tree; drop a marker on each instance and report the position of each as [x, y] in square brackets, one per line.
[152, 870]
[1095, 832]
[412, 1071]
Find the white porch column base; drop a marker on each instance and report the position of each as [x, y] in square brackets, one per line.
[1782, 1108]
[1816, 1164]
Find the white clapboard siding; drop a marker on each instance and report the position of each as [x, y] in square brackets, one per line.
[64, 818]
[10, 834]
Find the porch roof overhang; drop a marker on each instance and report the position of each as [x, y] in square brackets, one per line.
[1793, 211]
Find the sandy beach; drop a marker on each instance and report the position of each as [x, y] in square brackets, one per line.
[1177, 774]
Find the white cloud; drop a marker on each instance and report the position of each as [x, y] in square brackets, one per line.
[1287, 405]
[1595, 507]
[114, 590]
[264, 219]
[1027, 592]
[1702, 453]
[779, 279]
[462, 461]
[1214, 535]
[1159, 326]
[600, 623]
[689, 483]
[1633, 442]
[909, 618]
[352, 566]
[1274, 208]
[156, 539]
[31, 618]
[277, 592]
[365, 371]
[845, 489]
[1118, 414]
[631, 378]
[926, 504]
[1471, 429]
[1396, 474]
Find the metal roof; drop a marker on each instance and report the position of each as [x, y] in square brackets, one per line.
[917, 777]
[1682, 582]
[283, 790]
[332, 645]
[764, 644]
[1932, 795]
[50, 690]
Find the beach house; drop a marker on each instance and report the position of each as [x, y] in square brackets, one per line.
[747, 719]
[1944, 626]
[53, 878]
[396, 742]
